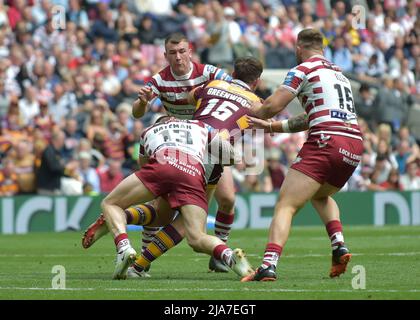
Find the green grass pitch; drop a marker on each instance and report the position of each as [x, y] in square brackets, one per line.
[389, 255]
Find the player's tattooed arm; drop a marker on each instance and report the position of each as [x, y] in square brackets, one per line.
[299, 123]
[294, 124]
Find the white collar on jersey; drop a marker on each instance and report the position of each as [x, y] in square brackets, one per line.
[241, 83]
[185, 76]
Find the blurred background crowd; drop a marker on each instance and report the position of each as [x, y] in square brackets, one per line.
[66, 92]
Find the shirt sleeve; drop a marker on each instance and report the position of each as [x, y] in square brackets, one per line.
[294, 81]
[217, 73]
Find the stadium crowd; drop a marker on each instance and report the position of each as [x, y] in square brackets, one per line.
[66, 91]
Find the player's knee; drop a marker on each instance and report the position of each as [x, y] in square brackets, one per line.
[105, 203]
[284, 206]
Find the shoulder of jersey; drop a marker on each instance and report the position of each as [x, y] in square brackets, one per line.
[165, 73]
[222, 84]
[314, 63]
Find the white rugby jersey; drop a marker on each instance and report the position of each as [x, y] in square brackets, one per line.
[325, 94]
[188, 136]
[173, 90]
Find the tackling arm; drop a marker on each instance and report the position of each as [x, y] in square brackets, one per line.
[294, 124]
[274, 104]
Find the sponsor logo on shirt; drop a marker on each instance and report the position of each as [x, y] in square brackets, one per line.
[289, 78]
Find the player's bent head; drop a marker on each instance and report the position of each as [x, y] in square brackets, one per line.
[247, 69]
[175, 38]
[310, 39]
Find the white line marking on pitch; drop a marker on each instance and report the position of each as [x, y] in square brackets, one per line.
[211, 290]
[309, 255]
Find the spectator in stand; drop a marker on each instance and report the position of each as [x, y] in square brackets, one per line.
[341, 55]
[109, 50]
[220, 52]
[393, 181]
[383, 148]
[88, 173]
[24, 163]
[96, 127]
[9, 185]
[29, 105]
[410, 181]
[365, 107]
[403, 155]
[53, 167]
[392, 104]
[110, 177]
[114, 144]
[381, 170]
[73, 136]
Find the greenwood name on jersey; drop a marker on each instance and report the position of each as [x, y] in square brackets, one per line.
[224, 105]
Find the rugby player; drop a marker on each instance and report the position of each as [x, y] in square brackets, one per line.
[171, 86]
[223, 105]
[172, 150]
[328, 158]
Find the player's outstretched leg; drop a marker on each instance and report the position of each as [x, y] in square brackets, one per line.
[296, 190]
[194, 218]
[141, 214]
[225, 197]
[128, 192]
[164, 240]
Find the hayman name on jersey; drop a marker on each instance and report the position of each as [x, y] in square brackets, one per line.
[228, 95]
[172, 126]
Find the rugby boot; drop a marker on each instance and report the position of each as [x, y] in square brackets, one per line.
[217, 265]
[137, 273]
[241, 265]
[94, 232]
[125, 259]
[263, 273]
[340, 258]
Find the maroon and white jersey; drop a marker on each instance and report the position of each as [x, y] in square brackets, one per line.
[325, 94]
[187, 136]
[173, 90]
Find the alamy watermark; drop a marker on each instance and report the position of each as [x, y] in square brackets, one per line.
[359, 17]
[59, 280]
[58, 18]
[238, 147]
[359, 280]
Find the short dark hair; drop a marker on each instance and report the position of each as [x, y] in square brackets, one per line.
[247, 69]
[176, 38]
[310, 39]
